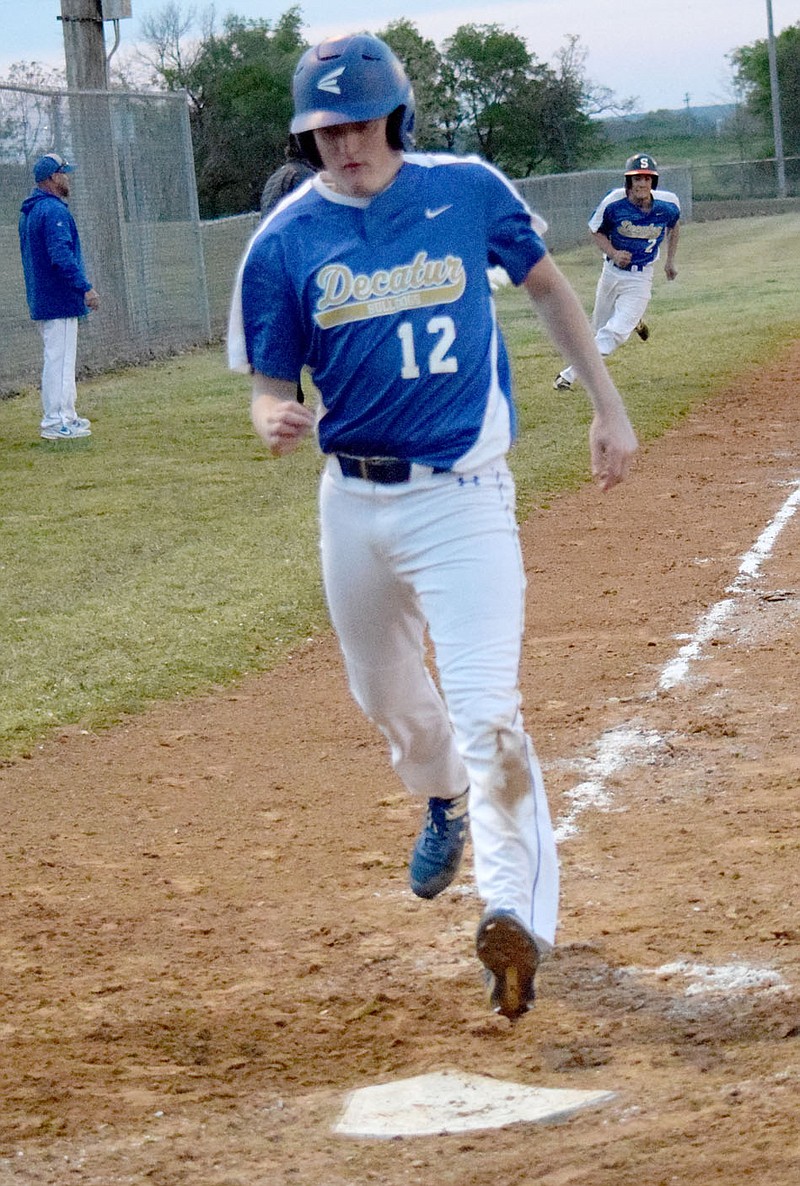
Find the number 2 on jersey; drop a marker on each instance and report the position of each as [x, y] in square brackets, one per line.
[439, 362]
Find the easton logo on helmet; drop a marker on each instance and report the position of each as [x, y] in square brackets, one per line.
[330, 82]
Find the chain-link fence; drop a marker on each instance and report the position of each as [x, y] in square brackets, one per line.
[744, 180]
[224, 243]
[135, 203]
[567, 200]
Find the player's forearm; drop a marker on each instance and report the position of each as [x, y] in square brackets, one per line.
[607, 248]
[611, 438]
[672, 246]
[568, 328]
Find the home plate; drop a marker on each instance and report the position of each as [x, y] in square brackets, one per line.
[449, 1101]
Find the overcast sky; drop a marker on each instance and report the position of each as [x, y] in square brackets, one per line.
[656, 53]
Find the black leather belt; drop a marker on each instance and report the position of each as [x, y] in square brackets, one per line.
[630, 267]
[386, 470]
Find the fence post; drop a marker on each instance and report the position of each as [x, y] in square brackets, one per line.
[776, 104]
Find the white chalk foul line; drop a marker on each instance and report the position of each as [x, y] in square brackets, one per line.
[677, 669]
[617, 748]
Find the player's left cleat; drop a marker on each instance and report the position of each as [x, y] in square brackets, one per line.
[437, 853]
[643, 330]
[509, 953]
[561, 384]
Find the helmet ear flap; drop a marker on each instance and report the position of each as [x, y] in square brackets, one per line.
[399, 128]
[308, 149]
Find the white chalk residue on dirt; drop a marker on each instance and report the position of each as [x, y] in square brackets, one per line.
[616, 749]
[727, 978]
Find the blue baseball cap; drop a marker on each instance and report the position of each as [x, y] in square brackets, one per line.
[49, 164]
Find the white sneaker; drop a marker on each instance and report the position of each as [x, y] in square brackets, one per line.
[64, 432]
[562, 384]
[57, 432]
[80, 427]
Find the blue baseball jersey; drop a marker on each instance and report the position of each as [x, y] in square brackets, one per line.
[639, 231]
[387, 301]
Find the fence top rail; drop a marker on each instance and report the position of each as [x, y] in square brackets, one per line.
[182, 95]
[761, 160]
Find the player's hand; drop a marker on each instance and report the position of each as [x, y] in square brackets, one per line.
[283, 425]
[622, 259]
[670, 271]
[612, 443]
[91, 299]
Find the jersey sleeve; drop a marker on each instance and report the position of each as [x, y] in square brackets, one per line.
[598, 217]
[271, 313]
[513, 241]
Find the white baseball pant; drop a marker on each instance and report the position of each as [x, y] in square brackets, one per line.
[59, 391]
[442, 551]
[620, 303]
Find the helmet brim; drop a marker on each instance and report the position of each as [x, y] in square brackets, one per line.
[310, 121]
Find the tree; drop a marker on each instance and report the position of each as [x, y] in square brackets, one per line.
[239, 88]
[438, 115]
[571, 99]
[483, 91]
[751, 69]
[489, 68]
[29, 120]
[518, 112]
[171, 48]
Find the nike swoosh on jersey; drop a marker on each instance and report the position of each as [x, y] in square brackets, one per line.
[439, 210]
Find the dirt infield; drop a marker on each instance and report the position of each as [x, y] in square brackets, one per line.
[207, 937]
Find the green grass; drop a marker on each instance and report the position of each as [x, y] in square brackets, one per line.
[167, 554]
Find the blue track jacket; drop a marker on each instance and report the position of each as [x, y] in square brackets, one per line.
[55, 278]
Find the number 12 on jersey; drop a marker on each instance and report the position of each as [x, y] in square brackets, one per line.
[439, 361]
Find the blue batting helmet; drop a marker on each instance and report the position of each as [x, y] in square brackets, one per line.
[348, 80]
[642, 162]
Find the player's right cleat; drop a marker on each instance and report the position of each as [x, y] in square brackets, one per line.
[437, 853]
[509, 953]
[562, 384]
[643, 330]
[64, 432]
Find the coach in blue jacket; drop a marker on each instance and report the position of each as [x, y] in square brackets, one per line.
[58, 292]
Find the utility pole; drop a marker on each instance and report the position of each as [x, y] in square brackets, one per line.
[777, 130]
[84, 45]
[97, 181]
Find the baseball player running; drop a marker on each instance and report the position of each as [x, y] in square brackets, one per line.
[629, 227]
[374, 274]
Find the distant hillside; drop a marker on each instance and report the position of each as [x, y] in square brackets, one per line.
[718, 132]
[680, 121]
